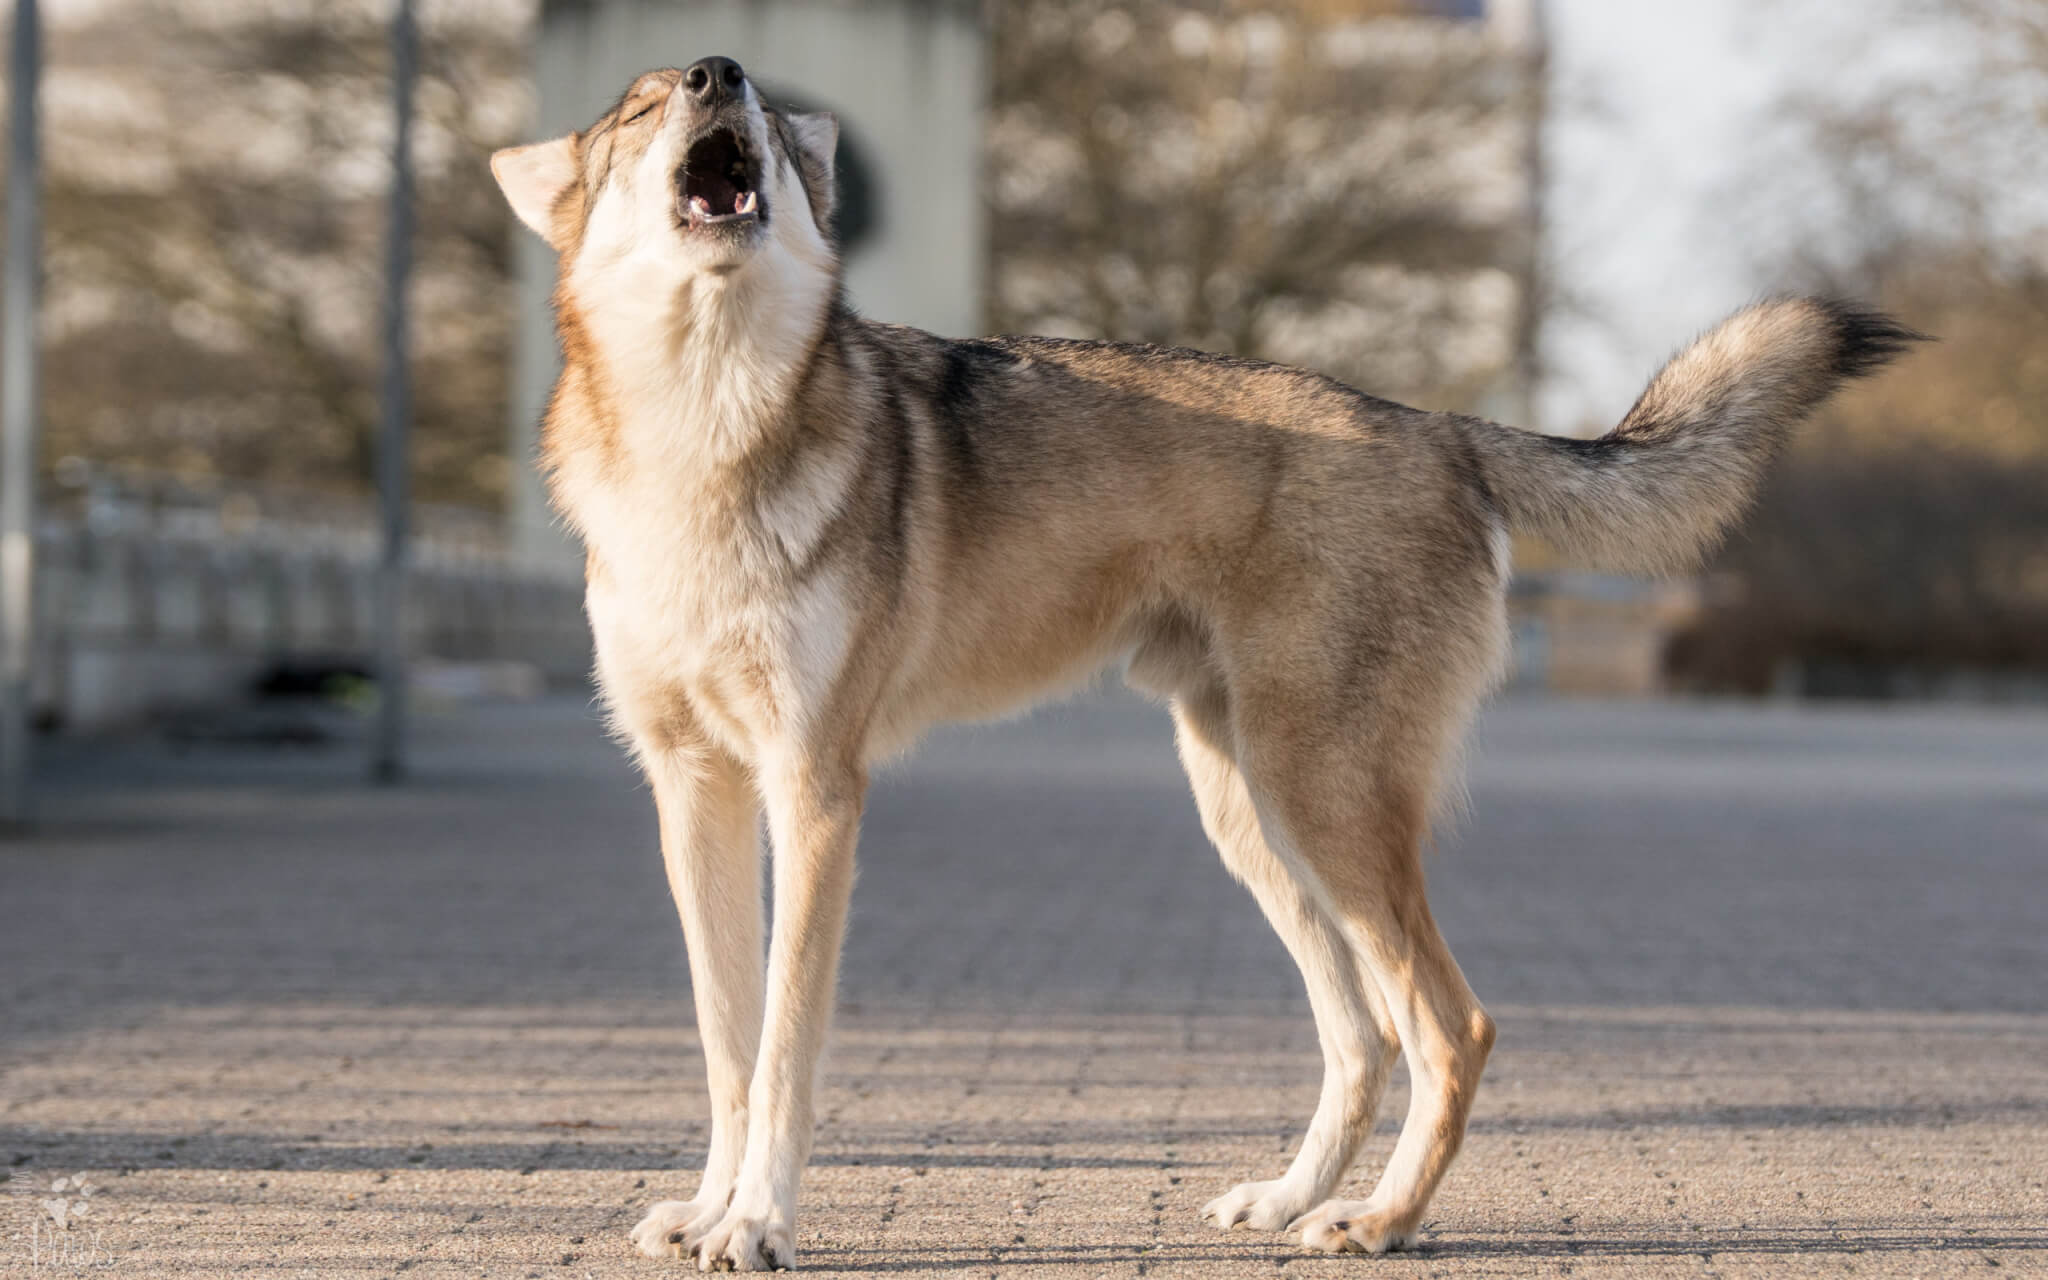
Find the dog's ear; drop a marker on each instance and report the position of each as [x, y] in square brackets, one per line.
[533, 179]
[816, 135]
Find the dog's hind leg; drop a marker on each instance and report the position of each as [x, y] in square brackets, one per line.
[1358, 1039]
[1354, 814]
[710, 841]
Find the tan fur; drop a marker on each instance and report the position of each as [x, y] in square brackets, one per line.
[812, 536]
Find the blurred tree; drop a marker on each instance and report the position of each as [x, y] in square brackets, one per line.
[1344, 186]
[215, 237]
[1909, 528]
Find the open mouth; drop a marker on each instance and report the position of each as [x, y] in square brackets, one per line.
[716, 185]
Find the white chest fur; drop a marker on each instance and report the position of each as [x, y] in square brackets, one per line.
[699, 593]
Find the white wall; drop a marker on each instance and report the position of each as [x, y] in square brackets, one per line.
[908, 78]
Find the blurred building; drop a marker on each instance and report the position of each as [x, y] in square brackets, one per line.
[908, 80]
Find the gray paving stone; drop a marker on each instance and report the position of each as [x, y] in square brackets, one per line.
[1770, 986]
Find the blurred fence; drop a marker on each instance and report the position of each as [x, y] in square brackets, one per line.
[1594, 633]
[155, 594]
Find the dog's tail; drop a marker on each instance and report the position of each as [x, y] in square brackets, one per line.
[1658, 491]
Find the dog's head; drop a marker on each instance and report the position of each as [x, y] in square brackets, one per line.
[689, 175]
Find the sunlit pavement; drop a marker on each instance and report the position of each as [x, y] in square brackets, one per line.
[1772, 987]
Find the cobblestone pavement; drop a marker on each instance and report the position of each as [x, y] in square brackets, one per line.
[1770, 987]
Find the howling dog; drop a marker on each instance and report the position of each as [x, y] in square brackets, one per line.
[811, 536]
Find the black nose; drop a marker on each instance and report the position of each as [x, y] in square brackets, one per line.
[713, 80]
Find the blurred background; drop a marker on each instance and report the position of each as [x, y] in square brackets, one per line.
[1754, 877]
[1512, 207]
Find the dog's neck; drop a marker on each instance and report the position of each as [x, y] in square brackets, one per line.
[702, 372]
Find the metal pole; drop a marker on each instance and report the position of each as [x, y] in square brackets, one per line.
[1535, 279]
[18, 412]
[387, 763]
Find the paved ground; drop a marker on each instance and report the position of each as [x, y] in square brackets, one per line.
[1770, 986]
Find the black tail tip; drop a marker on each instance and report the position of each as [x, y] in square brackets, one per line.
[1868, 339]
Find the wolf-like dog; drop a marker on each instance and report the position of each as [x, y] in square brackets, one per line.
[810, 536]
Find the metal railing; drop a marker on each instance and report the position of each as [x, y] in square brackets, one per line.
[155, 589]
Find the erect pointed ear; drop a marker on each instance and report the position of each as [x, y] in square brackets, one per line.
[818, 134]
[533, 179]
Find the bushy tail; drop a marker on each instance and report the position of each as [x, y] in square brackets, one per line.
[1658, 491]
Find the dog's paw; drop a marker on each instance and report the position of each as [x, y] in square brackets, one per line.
[1258, 1206]
[747, 1241]
[1354, 1226]
[672, 1227]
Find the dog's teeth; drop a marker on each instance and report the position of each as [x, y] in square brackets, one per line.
[700, 206]
[745, 204]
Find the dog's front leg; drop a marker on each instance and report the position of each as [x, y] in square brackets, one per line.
[711, 843]
[813, 819]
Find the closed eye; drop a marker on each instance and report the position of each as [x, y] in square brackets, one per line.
[638, 112]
